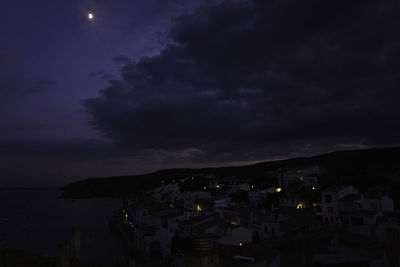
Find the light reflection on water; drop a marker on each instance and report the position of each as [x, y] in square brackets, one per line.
[36, 220]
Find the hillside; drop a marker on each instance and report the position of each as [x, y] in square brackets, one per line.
[364, 168]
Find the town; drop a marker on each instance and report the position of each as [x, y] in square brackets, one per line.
[293, 220]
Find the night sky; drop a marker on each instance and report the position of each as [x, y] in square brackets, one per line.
[154, 84]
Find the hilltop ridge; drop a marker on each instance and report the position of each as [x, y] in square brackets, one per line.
[363, 168]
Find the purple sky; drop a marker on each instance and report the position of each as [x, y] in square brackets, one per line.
[168, 83]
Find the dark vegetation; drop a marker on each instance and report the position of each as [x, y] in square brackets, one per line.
[377, 168]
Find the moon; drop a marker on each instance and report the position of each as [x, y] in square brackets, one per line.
[90, 16]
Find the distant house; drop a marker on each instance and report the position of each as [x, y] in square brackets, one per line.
[240, 215]
[269, 225]
[237, 237]
[330, 198]
[257, 198]
[376, 202]
[231, 188]
[371, 214]
[329, 246]
[195, 201]
[306, 176]
[297, 201]
[219, 202]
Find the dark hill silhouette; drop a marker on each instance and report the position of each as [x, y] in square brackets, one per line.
[364, 168]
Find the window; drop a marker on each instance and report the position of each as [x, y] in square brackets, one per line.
[328, 198]
[329, 209]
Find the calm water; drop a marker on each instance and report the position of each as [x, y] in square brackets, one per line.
[36, 220]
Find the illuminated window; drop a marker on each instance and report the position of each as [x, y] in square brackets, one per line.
[278, 189]
[300, 206]
[198, 207]
[301, 178]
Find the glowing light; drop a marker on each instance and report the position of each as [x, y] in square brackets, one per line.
[240, 244]
[252, 186]
[204, 188]
[126, 215]
[278, 189]
[198, 207]
[217, 185]
[313, 188]
[301, 178]
[90, 16]
[300, 206]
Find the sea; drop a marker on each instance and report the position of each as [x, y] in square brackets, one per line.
[36, 220]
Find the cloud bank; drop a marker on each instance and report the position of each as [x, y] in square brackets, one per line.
[244, 80]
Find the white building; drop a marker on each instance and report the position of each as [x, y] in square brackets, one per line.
[221, 202]
[307, 176]
[237, 237]
[330, 198]
[370, 202]
[293, 201]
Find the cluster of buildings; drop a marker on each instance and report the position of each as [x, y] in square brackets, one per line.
[206, 220]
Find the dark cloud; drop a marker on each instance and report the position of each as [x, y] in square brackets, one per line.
[101, 74]
[122, 60]
[247, 80]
